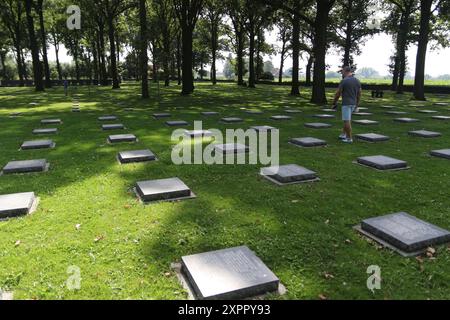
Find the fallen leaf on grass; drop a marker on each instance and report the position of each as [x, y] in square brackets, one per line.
[77, 226]
[328, 275]
[323, 297]
[98, 238]
[18, 242]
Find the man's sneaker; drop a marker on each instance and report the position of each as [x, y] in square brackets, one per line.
[346, 140]
[343, 136]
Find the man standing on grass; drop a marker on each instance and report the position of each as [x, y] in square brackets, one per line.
[350, 90]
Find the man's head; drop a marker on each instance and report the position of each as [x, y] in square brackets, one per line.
[347, 71]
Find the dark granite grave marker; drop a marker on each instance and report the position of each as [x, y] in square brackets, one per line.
[396, 113]
[231, 120]
[210, 113]
[382, 163]
[37, 144]
[26, 166]
[263, 128]
[231, 148]
[365, 122]
[281, 118]
[427, 111]
[17, 204]
[163, 189]
[118, 126]
[235, 273]
[198, 133]
[372, 137]
[308, 142]
[289, 174]
[444, 118]
[406, 120]
[324, 116]
[424, 134]
[107, 118]
[317, 125]
[362, 114]
[292, 111]
[51, 121]
[177, 123]
[136, 156]
[122, 138]
[444, 153]
[161, 115]
[405, 233]
[45, 131]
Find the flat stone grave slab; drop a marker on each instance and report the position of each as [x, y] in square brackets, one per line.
[45, 131]
[117, 126]
[198, 133]
[229, 274]
[427, 111]
[51, 121]
[136, 156]
[317, 125]
[308, 142]
[443, 118]
[329, 110]
[424, 134]
[382, 163]
[122, 138]
[37, 144]
[177, 123]
[281, 118]
[362, 114]
[396, 113]
[210, 113]
[15, 114]
[372, 137]
[444, 153]
[107, 118]
[363, 108]
[388, 107]
[231, 120]
[26, 166]
[406, 120]
[324, 116]
[253, 111]
[76, 110]
[163, 190]
[17, 204]
[442, 104]
[292, 111]
[161, 115]
[404, 233]
[263, 128]
[365, 122]
[288, 174]
[231, 148]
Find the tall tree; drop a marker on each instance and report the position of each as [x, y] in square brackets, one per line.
[187, 12]
[236, 13]
[350, 28]
[143, 48]
[284, 34]
[214, 10]
[12, 14]
[43, 36]
[34, 47]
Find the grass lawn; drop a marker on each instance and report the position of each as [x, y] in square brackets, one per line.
[302, 232]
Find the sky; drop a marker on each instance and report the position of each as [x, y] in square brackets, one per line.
[375, 54]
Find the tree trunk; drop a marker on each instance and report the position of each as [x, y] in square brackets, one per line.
[103, 70]
[48, 82]
[113, 57]
[419, 79]
[214, 45]
[20, 66]
[401, 51]
[251, 59]
[143, 49]
[179, 59]
[240, 57]
[58, 64]
[188, 77]
[295, 90]
[395, 73]
[308, 70]
[37, 67]
[347, 61]
[320, 49]
[95, 57]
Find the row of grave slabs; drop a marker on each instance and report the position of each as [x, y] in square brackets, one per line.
[238, 273]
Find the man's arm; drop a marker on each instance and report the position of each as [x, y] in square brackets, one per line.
[337, 96]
